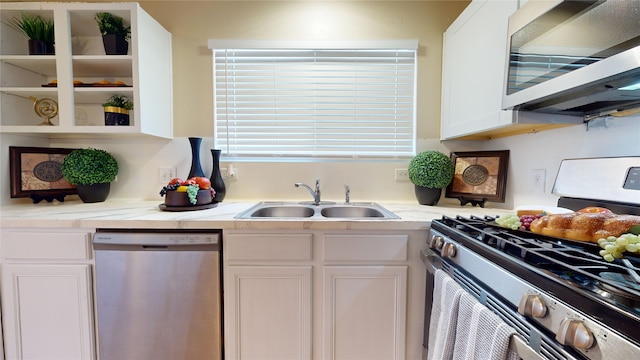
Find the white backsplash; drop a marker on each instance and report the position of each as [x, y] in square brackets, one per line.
[140, 158]
[546, 149]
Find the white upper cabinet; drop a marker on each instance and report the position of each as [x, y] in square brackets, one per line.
[473, 71]
[80, 77]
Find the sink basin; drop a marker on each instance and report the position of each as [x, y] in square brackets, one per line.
[326, 210]
[282, 211]
[349, 211]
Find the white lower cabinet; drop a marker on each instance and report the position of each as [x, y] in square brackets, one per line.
[323, 295]
[271, 309]
[364, 312]
[47, 303]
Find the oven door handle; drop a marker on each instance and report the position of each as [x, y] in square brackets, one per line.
[520, 347]
[431, 259]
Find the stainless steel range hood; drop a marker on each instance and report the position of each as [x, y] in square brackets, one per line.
[579, 58]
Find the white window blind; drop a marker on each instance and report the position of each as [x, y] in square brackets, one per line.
[330, 102]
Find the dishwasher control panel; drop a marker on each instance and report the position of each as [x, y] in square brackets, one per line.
[155, 238]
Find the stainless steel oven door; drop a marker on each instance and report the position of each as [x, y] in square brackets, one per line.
[430, 259]
[433, 262]
[526, 332]
[502, 292]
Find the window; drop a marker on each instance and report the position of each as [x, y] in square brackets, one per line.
[296, 100]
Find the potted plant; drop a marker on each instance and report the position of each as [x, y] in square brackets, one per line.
[430, 172]
[116, 110]
[92, 171]
[115, 35]
[38, 30]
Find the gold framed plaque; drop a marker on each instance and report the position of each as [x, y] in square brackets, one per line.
[37, 173]
[479, 176]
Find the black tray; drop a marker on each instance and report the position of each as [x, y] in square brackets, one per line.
[164, 207]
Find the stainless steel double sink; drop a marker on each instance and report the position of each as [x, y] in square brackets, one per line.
[292, 210]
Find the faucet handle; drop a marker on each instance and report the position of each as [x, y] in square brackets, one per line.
[317, 195]
[347, 191]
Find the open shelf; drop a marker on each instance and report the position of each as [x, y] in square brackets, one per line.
[75, 76]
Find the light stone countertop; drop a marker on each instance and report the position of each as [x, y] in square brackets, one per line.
[147, 215]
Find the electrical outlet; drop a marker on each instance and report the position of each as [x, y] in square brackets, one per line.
[227, 176]
[402, 175]
[538, 177]
[166, 173]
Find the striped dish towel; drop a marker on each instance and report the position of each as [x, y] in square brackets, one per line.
[481, 334]
[444, 312]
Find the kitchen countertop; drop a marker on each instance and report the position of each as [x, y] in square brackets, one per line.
[147, 215]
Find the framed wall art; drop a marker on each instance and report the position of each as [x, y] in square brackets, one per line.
[37, 173]
[479, 176]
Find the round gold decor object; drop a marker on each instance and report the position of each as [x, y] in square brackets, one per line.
[45, 108]
[475, 175]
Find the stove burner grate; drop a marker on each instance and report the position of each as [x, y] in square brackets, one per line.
[570, 271]
[575, 263]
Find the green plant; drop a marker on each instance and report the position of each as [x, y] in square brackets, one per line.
[431, 169]
[111, 24]
[120, 101]
[34, 27]
[89, 166]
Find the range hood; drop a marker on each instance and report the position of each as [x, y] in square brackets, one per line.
[578, 58]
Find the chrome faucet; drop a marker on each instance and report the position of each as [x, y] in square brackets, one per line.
[347, 191]
[315, 194]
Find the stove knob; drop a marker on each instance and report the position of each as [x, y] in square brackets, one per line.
[436, 242]
[532, 305]
[448, 250]
[574, 333]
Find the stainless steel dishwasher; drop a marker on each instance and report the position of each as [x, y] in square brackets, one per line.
[158, 294]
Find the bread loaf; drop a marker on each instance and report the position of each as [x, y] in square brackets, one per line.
[584, 226]
[522, 212]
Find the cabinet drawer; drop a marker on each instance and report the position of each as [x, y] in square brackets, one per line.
[366, 247]
[50, 245]
[268, 246]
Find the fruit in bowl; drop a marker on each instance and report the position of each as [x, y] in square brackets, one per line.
[191, 192]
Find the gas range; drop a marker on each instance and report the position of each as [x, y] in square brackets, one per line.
[577, 289]
[562, 298]
[571, 270]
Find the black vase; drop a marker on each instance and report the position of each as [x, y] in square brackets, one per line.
[115, 44]
[40, 47]
[428, 196]
[116, 116]
[216, 177]
[196, 168]
[93, 193]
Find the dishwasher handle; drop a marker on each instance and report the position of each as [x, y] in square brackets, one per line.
[158, 241]
[142, 248]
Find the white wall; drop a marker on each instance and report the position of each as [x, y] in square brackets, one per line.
[193, 23]
[546, 149]
[139, 160]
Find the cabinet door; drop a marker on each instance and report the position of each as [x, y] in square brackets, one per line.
[364, 312]
[267, 312]
[473, 69]
[47, 311]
